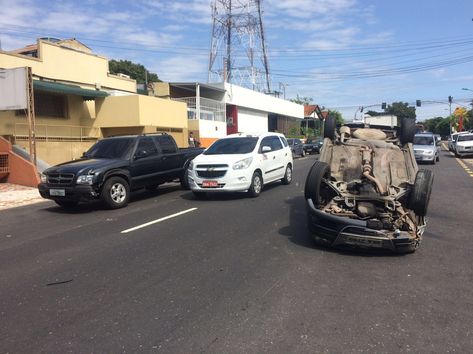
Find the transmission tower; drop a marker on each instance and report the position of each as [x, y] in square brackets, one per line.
[238, 50]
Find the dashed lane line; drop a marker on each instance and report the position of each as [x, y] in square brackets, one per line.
[158, 220]
[462, 164]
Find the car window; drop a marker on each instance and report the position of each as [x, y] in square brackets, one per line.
[284, 141]
[166, 143]
[423, 140]
[112, 148]
[232, 146]
[290, 142]
[148, 146]
[275, 143]
[465, 137]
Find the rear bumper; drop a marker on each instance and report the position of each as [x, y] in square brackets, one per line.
[71, 193]
[338, 231]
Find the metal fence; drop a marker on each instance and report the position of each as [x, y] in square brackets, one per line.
[209, 109]
[48, 132]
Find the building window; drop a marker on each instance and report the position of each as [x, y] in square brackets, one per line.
[47, 105]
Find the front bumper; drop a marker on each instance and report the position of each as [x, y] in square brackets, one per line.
[425, 158]
[343, 231]
[232, 181]
[68, 193]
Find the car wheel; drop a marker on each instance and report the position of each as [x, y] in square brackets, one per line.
[185, 180]
[199, 195]
[115, 193]
[329, 128]
[408, 130]
[302, 153]
[67, 204]
[256, 185]
[438, 158]
[288, 175]
[420, 194]
[320, 170]
[434, 160]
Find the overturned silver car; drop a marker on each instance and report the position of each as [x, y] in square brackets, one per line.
[366, 190]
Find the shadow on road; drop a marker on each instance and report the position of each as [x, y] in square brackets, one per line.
[298, 233]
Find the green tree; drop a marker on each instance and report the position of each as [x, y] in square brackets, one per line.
[401, 110]
[338, 116]
[135, 71]
[443, 127]
[302, 100]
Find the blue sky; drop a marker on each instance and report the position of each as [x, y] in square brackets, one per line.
[342, 53]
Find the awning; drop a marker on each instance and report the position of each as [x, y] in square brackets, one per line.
[48, 86]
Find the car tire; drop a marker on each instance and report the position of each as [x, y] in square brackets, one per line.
[420, 193]
[115, 193]
[302, 153]
[329, 128]
[408, 130]
[185, 180]
[287, 179]
[66, 204]
[256, 185]
[317, 173]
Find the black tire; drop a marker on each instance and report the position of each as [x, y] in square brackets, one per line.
[438, 158]
[420, 194]
[115, 193]
[256, 185]
[317, 173]
[199, 195]
[329, 128]
[287, 179]
[184, 180]
[408, 130]
[302, 153]
[67, 204]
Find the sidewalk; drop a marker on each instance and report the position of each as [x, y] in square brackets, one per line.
[13, 195]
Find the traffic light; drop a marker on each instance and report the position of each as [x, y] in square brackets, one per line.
[418, 103]
[383, 105]
[450, 99]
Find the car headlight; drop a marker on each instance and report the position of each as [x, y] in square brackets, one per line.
[242, 164]
[85, 179]
[44, 178]
[428, 152]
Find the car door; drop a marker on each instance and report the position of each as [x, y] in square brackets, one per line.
[171, 159]
[145, 164]
[273, 167]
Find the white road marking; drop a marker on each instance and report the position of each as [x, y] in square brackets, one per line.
[157, 220]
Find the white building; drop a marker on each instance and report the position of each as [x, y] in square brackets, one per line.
[216, 110]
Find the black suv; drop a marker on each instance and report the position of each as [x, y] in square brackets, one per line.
[113, 167]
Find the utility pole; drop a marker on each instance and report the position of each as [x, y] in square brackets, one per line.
[238, 49]
[31, 115]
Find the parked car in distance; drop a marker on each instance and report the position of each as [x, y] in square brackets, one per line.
[426, 148]
[296, 146]
[464, 145]
[313, 145]
[113, 167]
[452, 140]
[366, 190]
[241, 163]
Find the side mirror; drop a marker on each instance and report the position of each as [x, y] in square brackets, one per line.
[140, 154]
[84, 154]
[266, 149]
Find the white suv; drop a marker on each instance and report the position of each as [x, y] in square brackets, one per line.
[241, 163]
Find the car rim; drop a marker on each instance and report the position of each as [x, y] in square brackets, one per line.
[257, 184]
[118, 193]
[288, 174]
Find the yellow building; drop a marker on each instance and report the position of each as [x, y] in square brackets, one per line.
[78, 101]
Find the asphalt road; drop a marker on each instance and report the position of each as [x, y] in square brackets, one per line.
[234, 275]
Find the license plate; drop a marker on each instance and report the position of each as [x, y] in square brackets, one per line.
[209, 184]
[363, 241]
[57, 192]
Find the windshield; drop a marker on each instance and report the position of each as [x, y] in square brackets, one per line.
[111, 148]
[423, 140]
[290, 141]
[465, 137]
[232, 146]
[313, 141]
